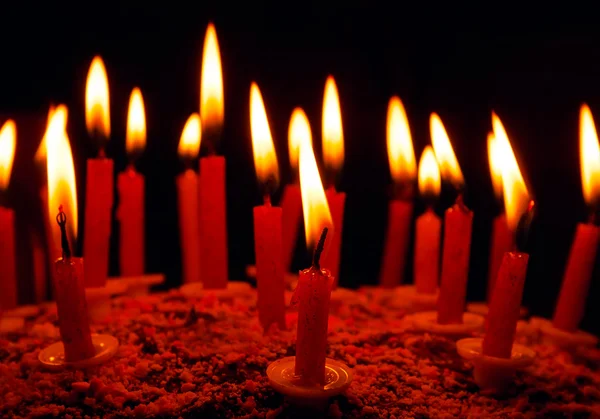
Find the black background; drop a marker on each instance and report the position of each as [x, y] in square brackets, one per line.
[534, 69]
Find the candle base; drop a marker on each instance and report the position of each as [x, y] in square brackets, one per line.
[234, 289]
[53, 357]
[561, 338]
[491, 373]
[420, 301]
[338, 377]
[136, 286]
[26, 311]
[11, 324]
[483, 308]
[426, 321]
[291, 280]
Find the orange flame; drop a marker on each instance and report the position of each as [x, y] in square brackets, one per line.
[494, 158]
[333, 136]
[444, 153]
[429, 174]
[57, 116]
[401, 155]
[298, 132]
[589, 152]
[135, 140]
[189, 144]
[97, 105]
[211, 83]
[265, 159]
[8, 143]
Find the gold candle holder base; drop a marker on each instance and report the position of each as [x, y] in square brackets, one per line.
[53, 356]
[426, 321]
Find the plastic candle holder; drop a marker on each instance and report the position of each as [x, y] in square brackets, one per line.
[53, 357]
[483, 308]
[420, 301]
[11, 324]
[25, 311]
[234, 289]
[426, 321]
[136, 286]
[562, 338]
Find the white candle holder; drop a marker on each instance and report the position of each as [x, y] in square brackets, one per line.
[562, 338]
[491, 373]
[419, 301]
[483, 308]
[136, 286]
[234, 289]
[25, 311]
[53, 356]
[98, 302]
[426, 321]
[11, 324]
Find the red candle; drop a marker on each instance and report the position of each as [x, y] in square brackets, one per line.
[8, 274]
[291, 208]
[396, 243]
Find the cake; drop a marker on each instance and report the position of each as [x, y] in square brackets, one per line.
[191, 358]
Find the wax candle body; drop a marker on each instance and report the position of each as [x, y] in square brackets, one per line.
[505, 306]
[291, 207]
[39, 269]
[187, 199]
[8, 273]
[213, 223]
[455, 264]
[314, 294]
[502, 242]
[576, 282]
[427, 252]
[396, 243]
[336, 201]
[71, 305]
[269, 267]
[98, 208]
[131, 216]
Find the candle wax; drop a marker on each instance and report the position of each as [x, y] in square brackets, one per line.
[455, 264]
[505, 306]
[576, 282]
[427, 252]
[98, 209]
[291, 207]
[336, 201]
[187, 200]
[396, 243]
[269, 268]
[502, 242]
[8, 268]
[130, 213]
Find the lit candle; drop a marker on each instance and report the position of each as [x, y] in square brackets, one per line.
[212, 207]
[8, 268]
[333, 157]
[458, 221]
[428, 227]
[403, 167]
[505, 304]
[187, 199]
[99, 181]
[578, 274]
[267, 219]
[130, 183]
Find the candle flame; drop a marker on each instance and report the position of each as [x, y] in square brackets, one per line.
[56, 116]
[189, 144]
[135, 140]
[516, 196]
[298, 133]
[97, 105]
[265, 159]
[401, 154]
[429, 174]
[494, 158]
[449, 168]
[8, 142]
[333, 136]
[211, 83]
[589, 152]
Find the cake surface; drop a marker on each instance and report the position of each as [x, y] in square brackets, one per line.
[189, 358]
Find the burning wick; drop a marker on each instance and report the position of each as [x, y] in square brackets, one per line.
[61, 219]
[460, 201]
[522, 233]
[319, 249]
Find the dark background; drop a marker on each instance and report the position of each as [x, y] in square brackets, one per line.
[534, 69]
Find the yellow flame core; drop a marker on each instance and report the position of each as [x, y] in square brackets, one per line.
[401, 154]
[265, 159]
[333, 135]
[298, 133]
[211, 82]
[189, 144]
[97, 105]
[494, 159]
[516, 196]
[429, 174]
[589, 153]
[135, 140]
[57, 118]
[444, 153]
[8, 143]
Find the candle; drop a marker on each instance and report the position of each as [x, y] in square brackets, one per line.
[267, 219]
[314, 284]
[187, 200]
[578, 274]
[212, 207]
[130, 183]
[428, 226]
[99, 181]
[8, 272]
[403, 168]
[333, 157]
[505, 304]
[458, 221]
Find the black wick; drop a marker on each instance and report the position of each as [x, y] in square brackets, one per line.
[319, 249]
[61, 219]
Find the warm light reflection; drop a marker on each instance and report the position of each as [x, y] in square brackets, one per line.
[265, 159]
[516, 196]
[97, 105]
[135, 139]
[333, 135]
[57, 116]
[401, 155]
[589, 153]
[298, 133]
[429, 175]
[189, 143]
[211, 83]
[449, 168]
[8, 142]
[494, 160]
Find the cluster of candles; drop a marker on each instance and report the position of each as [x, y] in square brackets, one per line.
[202, 216]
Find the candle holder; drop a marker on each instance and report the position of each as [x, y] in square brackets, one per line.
[25, 311]
[562, 338]
[419, 301]
[53, 356]
[426, 321]
[98, 301]
[11, 324]
[491, 373]
[136, 286]
[234, 289]
[281, 373]
[482, 308]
